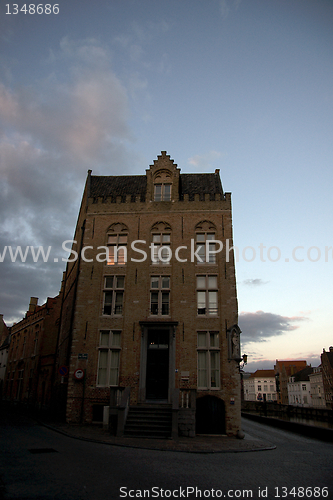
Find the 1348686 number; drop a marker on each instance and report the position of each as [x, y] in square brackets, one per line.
[301, 492]
[31, 8]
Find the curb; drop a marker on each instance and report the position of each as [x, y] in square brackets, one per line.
[156, 448]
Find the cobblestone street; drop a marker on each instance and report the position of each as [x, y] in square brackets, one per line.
[39, 463]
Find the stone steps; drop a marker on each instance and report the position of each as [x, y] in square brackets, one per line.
[149, 421]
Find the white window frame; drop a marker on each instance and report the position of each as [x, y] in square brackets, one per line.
[208, 350]
[108, 358]
[161, 253]
[157, 287]
[117, 249]
[165, 191]
[206, 290]
[116, 291]
[202, 239]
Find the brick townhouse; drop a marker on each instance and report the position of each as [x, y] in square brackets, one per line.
[31, 355]
[149, 313]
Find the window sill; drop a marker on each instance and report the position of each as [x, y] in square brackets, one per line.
[209, 389]
[208, 316]
[111, 316]
[159, 316]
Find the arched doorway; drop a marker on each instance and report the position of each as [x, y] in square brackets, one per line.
[210, 415]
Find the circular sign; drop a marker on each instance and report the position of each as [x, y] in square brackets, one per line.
[63, 370]
[79, 374]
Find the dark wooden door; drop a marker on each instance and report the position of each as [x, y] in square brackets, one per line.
[210, 415]
[157, 379]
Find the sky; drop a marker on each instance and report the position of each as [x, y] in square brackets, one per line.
[244, 86]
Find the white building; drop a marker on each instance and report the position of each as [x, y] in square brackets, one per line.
[260, 386]
[299, 390]
[317, 388]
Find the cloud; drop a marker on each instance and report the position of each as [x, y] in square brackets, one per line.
[73, 118]
[254, 282]
[260, 326]
[225, 6]
[203, 162]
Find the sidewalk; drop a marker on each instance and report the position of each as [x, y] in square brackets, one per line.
[199, 444]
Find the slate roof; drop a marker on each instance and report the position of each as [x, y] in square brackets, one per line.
[118, 185]
[5, 343]
[136, 185]
[263, 374]
[201, 184]
[303, 375]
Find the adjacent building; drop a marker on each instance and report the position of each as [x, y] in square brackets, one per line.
[327, 370]
[149, 310]
[31, 355]
[4, 349]
[260, 386]
[299, 389]
[283, 370]
[317, 388]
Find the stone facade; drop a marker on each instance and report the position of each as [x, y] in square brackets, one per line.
[154, 324]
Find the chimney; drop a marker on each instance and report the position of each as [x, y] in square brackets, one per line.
[217, 170]
[331, 348]
[33, 304]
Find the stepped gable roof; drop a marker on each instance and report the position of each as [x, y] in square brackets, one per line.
[136, 185]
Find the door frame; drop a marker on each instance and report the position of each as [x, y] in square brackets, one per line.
[156, 325]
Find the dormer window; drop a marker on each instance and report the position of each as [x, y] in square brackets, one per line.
[162, 185]
[162, 192]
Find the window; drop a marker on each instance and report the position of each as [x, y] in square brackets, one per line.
[117, 249]
[109, 358]
[162, 192]
[207, 295]
[259, 387]
[303, 387]
[161, 253]
[160, 295]
[265, 388]
[203, 244]
[208, 360]
[35, 343]
[271, 388]
[113, 295]
[24, 344]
